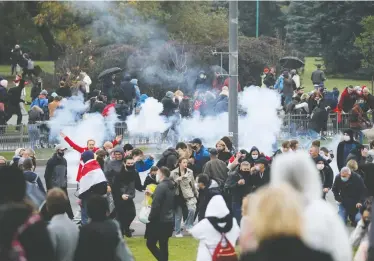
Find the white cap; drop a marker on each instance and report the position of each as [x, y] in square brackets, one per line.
[60, 147]
[4, 83]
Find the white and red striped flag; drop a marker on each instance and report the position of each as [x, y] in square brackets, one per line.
[92, 174]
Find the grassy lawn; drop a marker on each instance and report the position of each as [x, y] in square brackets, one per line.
[331, 82]
[180, 249]
[40, 154]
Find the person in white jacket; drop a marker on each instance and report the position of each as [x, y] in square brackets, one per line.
[323, 230]
[217, 215]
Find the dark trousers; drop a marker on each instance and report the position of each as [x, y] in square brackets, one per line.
[69, 210]
[126, 213]
[14, 109]
[161, 253]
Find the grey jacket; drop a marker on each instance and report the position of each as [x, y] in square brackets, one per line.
[56, 172]
[187, 184]
[216, 169]
[162, 209]
[318, 76]
[287, 87]
[64, 235]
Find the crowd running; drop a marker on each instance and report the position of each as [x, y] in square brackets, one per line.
[225, 199]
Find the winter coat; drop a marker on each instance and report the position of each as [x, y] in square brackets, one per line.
[205, 195]
[144, 165]
[56, 172]
[269, 80]
[238, 192]
[169, 106]
[14, 94]
[168, 159]
[64, 235]
[325, 232]
[349, 193]
[344, 148]
[357, 118]
[149, 180]
[327, 176]
[126, 182]
[331, 98]
[201, 157]
[216, 169]
[318, 77]
[186, 185]
[111, 169]
[163, 202]
[260, 179]
[126, 91]
[207, 235]
[100, 241]
[318, 119]
[224, 156]
[285, 248]
[39, 102]
[347, 101]
[31, 177]
[287, 87]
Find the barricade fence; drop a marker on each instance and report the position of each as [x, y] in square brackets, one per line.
[37, 135]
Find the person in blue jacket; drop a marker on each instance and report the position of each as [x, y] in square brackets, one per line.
[140, 164]
[201, 155]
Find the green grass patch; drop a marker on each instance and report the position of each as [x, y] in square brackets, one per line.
[180, 249]
[47, 66]
[7, 154]
[40, 154]
[331, 82]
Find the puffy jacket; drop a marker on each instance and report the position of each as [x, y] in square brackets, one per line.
[169, 159]
[56, 172]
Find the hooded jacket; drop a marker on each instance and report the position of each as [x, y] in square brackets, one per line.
[56, 172]
[163, 202]
[113, 167]
[205, 232]
[205, 195]
[323, 228]
[344, 148]
[169, 159]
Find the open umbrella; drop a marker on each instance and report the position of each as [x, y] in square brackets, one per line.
[109, 72]
[291, 62]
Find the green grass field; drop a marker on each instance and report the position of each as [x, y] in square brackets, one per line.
[331, 82]
[180, 249]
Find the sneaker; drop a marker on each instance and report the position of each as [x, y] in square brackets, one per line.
[179, 235]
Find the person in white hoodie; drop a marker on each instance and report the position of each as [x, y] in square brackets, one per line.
[209, 230]
[323, 229]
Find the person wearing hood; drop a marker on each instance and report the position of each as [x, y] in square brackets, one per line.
[124, 185]
[126, 92]
[224, 153]
[239, 184]
[168, 159]
[326, 174]
[349, 192]
[344, 148]
[200, 154]
[275, 216]
[160, 226]
[325, 232]
[209, 231]
[260, 173]
[207, 189]
[56, 172]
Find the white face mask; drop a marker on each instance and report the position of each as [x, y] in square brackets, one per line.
[254, 157]
[257, 167]
[346, 138]
[320, 166]
[157, 178]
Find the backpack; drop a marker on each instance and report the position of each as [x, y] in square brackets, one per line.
[34, 193]
[34, 116]
[224, 251]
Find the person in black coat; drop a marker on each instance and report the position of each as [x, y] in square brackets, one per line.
[126, 92]
[168, 159]
[260, 173]
[326, 174]
[349, 191]
[14, 98]
[208, 188]
[169, 105]
[64, 91]
[151, 177]
[161, 218]
[123, 189]
[344, 148]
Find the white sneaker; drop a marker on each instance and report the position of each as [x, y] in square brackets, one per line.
[179, 235]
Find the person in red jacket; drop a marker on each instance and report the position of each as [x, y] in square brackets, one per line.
[90, 146]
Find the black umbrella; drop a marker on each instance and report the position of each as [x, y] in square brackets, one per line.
[291, 62]
[109, 72]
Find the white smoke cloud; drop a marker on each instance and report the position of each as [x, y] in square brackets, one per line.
[91, 126]
[149, 120]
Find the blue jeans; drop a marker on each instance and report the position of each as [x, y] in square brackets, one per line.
[178, 219]
[287, 100]
[344, 215]
[84, 215]
[237, 211]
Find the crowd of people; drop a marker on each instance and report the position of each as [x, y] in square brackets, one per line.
[225, 198]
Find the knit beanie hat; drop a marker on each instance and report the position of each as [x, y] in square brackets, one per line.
[87, 155]
[4, 83]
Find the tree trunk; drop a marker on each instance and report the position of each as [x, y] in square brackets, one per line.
[55, 50]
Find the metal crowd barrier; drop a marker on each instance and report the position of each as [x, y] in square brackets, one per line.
[37, 135]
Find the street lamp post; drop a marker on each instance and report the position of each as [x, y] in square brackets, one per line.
[233, 72]
[257, 17]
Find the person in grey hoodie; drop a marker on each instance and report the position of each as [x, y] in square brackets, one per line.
[63, 232]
